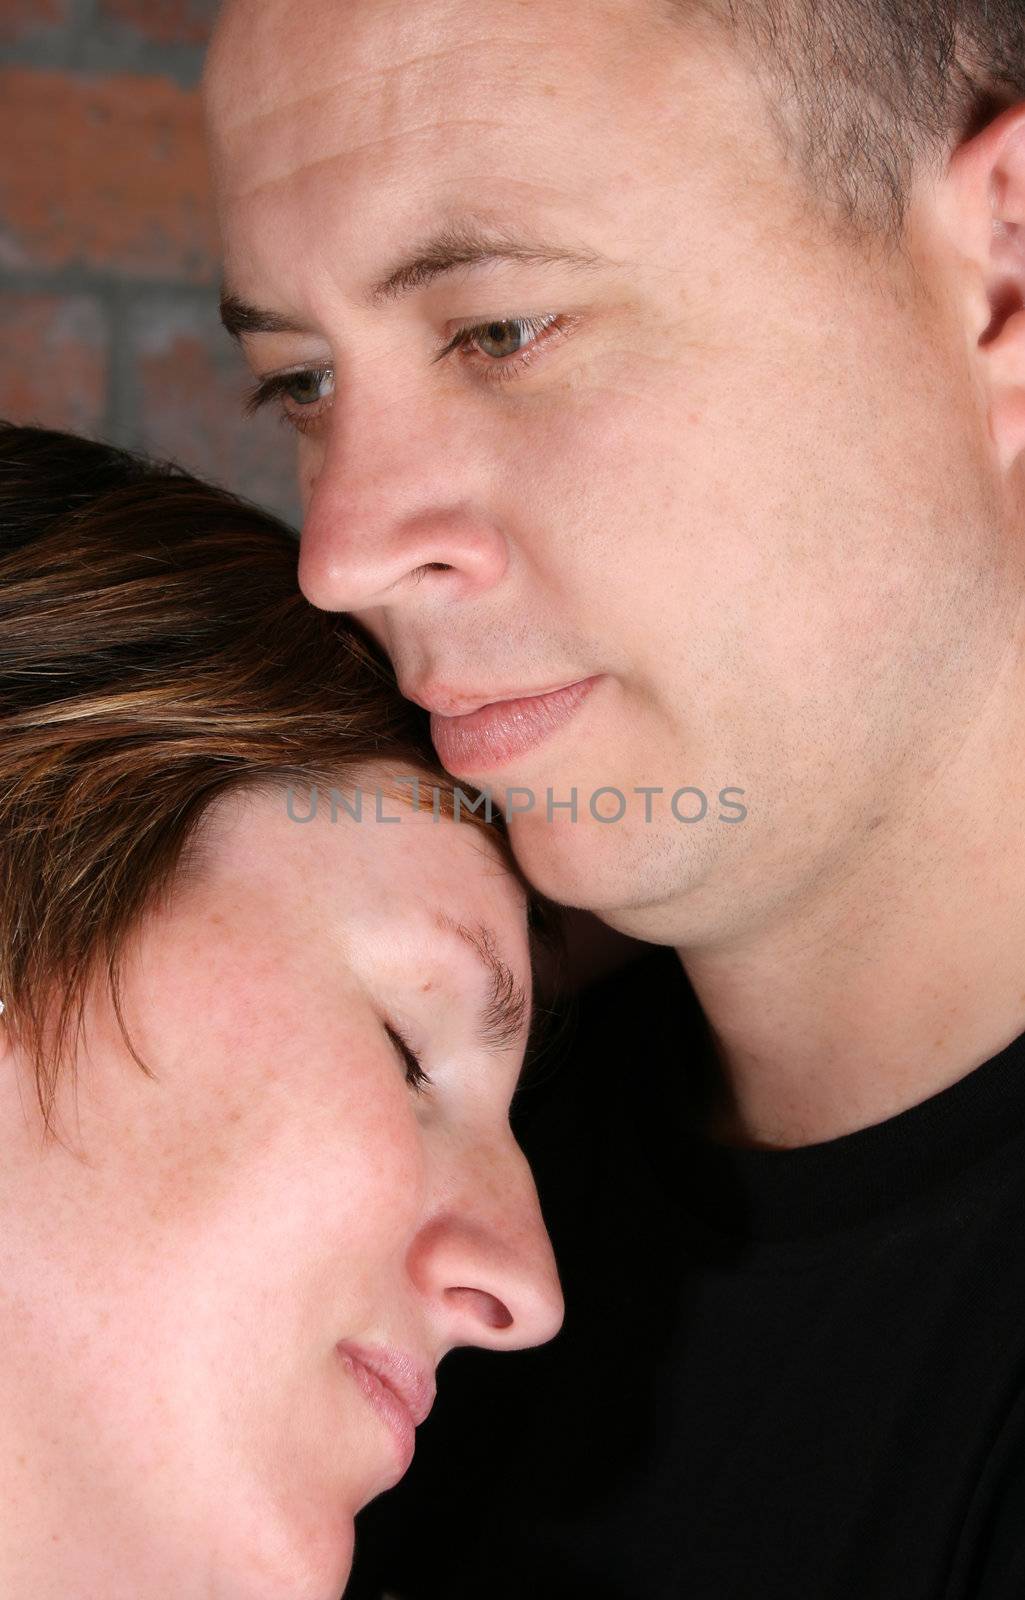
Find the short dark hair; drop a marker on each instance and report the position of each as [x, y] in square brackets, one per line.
[155, 655]
[865, 93]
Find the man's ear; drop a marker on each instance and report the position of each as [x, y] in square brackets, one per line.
[982, 204]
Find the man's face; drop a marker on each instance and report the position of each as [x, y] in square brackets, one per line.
[720, 471]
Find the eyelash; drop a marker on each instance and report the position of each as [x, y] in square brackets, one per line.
[416, 1077]
[544, 331]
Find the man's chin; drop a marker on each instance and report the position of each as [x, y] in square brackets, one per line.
[658, 884]
[595, 867]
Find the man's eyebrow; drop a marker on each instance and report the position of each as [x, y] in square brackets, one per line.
[240, 318]
[455, 245]
[467, 244]
[506, 1011]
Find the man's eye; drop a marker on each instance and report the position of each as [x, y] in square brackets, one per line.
[303, 396]
[506, 347]
[306, 388]
[502, 338]
[497, 350]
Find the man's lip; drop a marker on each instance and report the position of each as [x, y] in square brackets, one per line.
[443, 702]
[412, 1383]
[501, 732]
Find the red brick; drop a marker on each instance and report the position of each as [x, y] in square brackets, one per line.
[191, 385]
[54, 370]
[24, 19]
[110, 173]
[163, 21]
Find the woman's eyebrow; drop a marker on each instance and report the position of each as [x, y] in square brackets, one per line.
[506, 1010]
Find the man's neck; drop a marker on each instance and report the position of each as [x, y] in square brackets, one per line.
[898, 976]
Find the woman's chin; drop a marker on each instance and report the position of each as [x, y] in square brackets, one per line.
[310, 1560]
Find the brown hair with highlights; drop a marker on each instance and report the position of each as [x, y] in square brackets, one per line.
[155, 654]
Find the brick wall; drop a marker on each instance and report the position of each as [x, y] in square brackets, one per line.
[108, 254]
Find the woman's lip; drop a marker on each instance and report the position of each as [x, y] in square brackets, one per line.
[494, 734]
[393, 1412]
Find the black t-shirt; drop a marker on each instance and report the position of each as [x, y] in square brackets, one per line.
[783, 1375]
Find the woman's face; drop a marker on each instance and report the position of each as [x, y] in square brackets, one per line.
[186, 1289]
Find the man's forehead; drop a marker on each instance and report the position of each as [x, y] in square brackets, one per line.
[272, 56]
[345, 131]
[414, 111]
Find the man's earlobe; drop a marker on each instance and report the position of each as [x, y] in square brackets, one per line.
[984, 209]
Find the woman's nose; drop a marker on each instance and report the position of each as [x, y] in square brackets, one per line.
[484, 1260]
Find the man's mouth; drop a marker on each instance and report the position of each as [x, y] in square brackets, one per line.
[473, 738]
[442, 701]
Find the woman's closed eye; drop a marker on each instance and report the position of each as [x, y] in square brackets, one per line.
[416, 1077]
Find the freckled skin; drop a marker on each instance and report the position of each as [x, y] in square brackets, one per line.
[767, 488]
[179, 1268]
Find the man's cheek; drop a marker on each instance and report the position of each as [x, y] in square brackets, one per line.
[309, 460]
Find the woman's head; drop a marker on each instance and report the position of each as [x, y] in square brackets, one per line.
[213, 975]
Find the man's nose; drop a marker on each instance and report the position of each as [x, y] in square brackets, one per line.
[394, 510]
[484, 1261]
